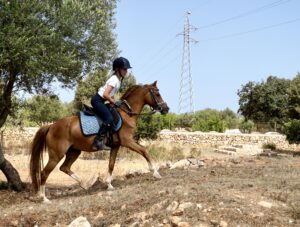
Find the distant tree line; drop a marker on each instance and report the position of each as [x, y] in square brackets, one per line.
[271, 105]
[274, 103]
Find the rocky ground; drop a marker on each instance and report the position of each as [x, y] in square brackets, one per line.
[230, 191]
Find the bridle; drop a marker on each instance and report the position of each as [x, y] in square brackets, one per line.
[158, 106]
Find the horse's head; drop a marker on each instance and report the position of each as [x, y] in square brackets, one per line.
[154, 99]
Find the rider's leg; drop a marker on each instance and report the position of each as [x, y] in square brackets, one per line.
[99, 143]
[103, 112]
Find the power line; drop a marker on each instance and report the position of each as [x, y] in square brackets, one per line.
[163, 67]
[253, 11]
[251, 31]
[148, 54]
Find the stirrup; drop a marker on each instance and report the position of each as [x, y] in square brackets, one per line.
[99, 145]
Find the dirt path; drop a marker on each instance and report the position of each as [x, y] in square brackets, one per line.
[255, 191]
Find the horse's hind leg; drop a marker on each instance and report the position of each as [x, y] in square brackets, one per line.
[111, 165]
[71, 156]
[52, 162]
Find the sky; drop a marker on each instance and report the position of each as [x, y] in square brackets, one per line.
[237, 41]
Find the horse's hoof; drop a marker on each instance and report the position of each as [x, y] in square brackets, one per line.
[46, 201]
[157, 175]
[110, 187]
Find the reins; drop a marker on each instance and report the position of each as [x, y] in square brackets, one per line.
[129, 111]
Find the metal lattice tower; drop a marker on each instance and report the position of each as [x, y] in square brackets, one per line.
[186, 103]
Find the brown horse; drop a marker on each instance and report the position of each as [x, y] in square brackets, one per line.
[65, 138]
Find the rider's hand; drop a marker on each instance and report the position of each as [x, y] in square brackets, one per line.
[118, 104]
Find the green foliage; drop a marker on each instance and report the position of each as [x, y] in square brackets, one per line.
[294, 98]
[147, 127]
[247, 126]
[46, 41]
[291, 130]
[184, 121]
[271, 146]
[166, 121]
[265, 101]
[127, 82]
[43, 108]
[208, 120]
[38, 109]
[3, 185]
[88, 87]
[295, 211]
[230, 119]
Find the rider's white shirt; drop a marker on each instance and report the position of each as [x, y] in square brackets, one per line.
[112, 81]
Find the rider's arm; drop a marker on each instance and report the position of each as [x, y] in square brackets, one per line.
[106, 94]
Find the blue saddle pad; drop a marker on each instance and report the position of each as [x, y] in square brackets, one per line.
[90, 124]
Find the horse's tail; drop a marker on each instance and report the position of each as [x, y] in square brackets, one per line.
[36, 156]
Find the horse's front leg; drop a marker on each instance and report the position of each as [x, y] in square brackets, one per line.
[111, 165]
[142, 151]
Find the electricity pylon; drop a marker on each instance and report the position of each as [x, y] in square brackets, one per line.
[186, 103]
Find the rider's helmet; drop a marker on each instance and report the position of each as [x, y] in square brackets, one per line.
[121, 63]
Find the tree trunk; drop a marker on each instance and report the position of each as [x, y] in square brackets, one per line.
[11, 174]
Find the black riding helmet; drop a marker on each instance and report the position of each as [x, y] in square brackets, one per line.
[121, 63]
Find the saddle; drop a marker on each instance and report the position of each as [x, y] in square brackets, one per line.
[90, 123]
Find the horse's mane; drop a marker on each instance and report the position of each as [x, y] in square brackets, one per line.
[129, 91]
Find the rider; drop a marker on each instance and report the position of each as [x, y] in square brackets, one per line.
[106, 93]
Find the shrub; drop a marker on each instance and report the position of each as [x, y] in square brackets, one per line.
[271, 146]
[291, 130]
[247, 126]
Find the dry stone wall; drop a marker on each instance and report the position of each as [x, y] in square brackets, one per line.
[19, 140]
[16, 141]
[214, 139]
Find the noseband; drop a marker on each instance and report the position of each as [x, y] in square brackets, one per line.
[158, 106]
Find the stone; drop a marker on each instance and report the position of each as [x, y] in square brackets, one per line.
[185, 205]
[223, 224]
[80, 222]
[177, 212]
[265, 204]
[183, 224]
[173, 206]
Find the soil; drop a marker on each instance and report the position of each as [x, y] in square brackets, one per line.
[241, 191]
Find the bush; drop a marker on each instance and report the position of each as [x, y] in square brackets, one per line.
[247, 126]
[271, 146]
[291, 130]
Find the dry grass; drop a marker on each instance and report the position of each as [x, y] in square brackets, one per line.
[90, 164]
[295, 211]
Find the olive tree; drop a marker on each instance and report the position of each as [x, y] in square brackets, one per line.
[46, 41]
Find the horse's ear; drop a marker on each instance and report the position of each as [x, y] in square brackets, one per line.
[154, 83]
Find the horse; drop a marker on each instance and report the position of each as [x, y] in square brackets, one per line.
[65, 138]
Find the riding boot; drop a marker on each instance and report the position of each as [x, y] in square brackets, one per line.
[98, 143]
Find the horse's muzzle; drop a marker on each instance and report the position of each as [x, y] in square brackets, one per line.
[164, 109]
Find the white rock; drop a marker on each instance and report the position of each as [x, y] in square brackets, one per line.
[173, 206]
[185, 205]
[199, 206]
[183, 224]
[265, 204]
[80, 222]
[175, 220]
[142, 216]
[100, 215]
[123, 207]
[223, 224]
